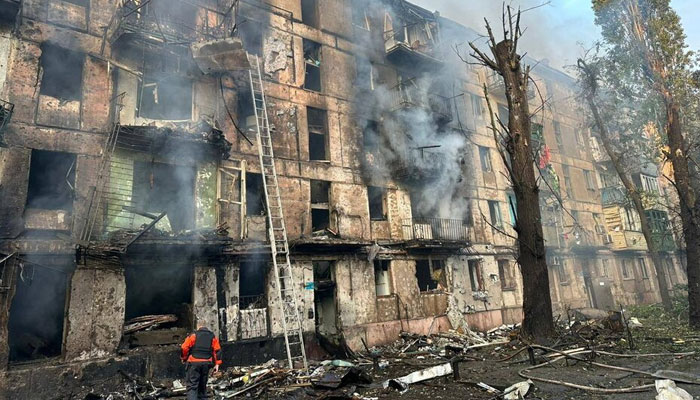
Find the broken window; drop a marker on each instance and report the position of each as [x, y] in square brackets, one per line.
[376, 196]
[251, 285]
[309, 13]
[507, 274]
[485, 157]
[312, 62]
[159, 289]
[495, 214]
[429, 274]
[318, 133]
[252, 37]
[246, 111]
[165, 97]
[370, 136]
[382, 280]
[320, 208]
[62, 73]
[51, 180]
[475, 278]
[159, 187]
[36, 321]
[254, 194]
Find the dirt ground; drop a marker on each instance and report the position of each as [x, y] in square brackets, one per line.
[495, 365]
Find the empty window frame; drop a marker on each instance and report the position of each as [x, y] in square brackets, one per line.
[562, 274]
[475, 277]
[251, 36]
[605, 267]
[365, 74]
[377, 200]
[430, 274]
[317, 120]
[370, 136]
[506, 272]
[643, 268]
[159, 187]
[62, 73]
[51, 180]
[164, 288]
[251, 285]
[309, 13]
[495, 214]
[246, 111]
[320, 208]
[382, 278]
[590, 181]
[254, 194]
[626, 269]
[503, 114]
[312, 63]
[165, 97]
[485, 157]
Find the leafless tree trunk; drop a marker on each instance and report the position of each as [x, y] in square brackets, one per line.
[590, 82]
[514, 142]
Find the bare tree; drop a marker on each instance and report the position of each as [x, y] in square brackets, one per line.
[589, 79]
[514, 142]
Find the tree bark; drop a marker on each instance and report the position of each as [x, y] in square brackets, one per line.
[632, 192]
[537, 303]
[689, 204]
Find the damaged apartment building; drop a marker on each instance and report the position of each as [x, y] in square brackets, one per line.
[286, 172]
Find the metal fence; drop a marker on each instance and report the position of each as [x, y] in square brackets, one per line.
[435, 229]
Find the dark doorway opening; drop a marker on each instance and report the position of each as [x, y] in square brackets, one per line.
[37, 312]
[254, 194]
[160, 290]
[324, 298]
[51, 180]
[252, 285]
[159, 187]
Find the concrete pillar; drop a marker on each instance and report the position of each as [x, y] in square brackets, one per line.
[95, 313]
[205, 305]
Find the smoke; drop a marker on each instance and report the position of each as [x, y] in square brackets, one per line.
[557, 31]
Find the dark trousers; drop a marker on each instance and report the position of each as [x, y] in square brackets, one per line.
[197, 375]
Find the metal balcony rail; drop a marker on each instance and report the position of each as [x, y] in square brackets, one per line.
[252, 302]
[435, 229]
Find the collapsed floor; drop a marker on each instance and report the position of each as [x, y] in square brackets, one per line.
[455, 365]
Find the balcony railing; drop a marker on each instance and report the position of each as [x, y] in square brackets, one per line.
[426, 229]
[612, 195]
[411, 94]
[6, 109]
[173, 22]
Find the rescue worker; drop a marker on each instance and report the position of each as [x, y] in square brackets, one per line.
[200, 351]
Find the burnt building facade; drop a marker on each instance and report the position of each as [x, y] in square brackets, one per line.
[132, 186]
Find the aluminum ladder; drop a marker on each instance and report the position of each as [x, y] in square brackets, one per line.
[277, 232]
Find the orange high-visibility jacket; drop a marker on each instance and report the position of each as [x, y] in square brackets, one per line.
[189, 344]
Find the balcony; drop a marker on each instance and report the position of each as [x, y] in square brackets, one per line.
[174, 22]
[6, 109]
[411, 94]
[612, 196]
[497, 87]
[435, 229]
[411, 39]
[419, 166]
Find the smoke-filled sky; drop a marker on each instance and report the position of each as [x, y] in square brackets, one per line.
[558, 31]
